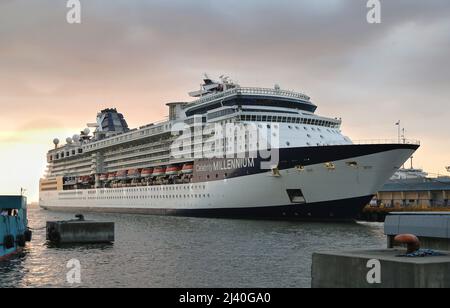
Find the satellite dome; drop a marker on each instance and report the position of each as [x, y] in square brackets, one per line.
[87, 131]
[69, 140]
[76, 138]
[56, 141]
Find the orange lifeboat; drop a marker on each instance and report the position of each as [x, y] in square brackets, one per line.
[173, 170]
[111, 176]
[159, 171]
[86, 179]
[121, 175]
[188, 168]
[134, 174]
[146, 172]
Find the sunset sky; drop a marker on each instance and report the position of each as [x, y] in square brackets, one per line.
[137, 55]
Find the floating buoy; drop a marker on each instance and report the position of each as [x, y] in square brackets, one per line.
[412, 242]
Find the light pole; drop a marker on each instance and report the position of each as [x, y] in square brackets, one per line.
[399, 130]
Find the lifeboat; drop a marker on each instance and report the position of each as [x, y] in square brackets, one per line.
[86, 179]
[173, 170]
[134, 173]
[146, 172]
[111, 176]
[159, 171]
[121, 175]
[103, 177]
[188, 168]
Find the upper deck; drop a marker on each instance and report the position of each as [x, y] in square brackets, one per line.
[251, 96]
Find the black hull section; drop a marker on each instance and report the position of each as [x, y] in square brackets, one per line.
[337, 210]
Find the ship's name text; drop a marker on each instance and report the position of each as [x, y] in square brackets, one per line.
[226, 164]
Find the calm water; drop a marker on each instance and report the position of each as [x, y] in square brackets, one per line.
[155, 251]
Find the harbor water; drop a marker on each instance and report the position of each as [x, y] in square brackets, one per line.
[152, 251]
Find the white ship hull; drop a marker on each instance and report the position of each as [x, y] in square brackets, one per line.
[337, 193]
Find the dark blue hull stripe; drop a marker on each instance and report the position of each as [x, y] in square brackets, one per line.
[217, 169]
[337, 210]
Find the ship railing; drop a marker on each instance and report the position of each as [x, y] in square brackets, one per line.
[251, 91]
[387, 141]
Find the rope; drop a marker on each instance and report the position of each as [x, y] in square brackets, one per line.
[37, 229]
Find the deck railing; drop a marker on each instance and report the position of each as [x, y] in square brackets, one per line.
[251, 91]
[387, 141]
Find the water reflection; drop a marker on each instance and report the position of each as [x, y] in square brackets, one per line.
[155, 251]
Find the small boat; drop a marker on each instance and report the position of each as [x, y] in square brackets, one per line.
[173, 170]
[159, 171]
[14, 232]
[103, 177]
[188, 168]
[146, 172]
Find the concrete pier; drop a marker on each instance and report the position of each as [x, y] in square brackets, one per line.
[80, 232]
[384, 268]
[432, 228]
[379, 269]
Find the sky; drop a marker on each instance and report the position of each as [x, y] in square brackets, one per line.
[137, 55]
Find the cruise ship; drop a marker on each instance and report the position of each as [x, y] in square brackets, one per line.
[230, 152]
